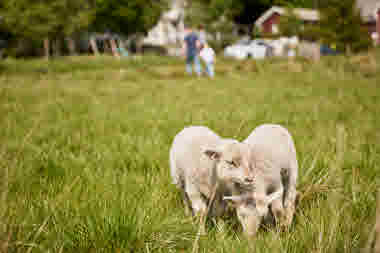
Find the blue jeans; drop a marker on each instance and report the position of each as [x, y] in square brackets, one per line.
[210, 69]
[197, 66]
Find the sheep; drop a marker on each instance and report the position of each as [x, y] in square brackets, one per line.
[201, 160]
[275, 167]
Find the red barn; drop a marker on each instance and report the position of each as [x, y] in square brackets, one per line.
[268, 22]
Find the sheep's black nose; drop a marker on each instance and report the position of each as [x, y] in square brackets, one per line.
[248, 180]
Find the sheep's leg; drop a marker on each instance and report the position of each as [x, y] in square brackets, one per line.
[187, 204]
[278, 212]
[289, 204]
[198, 205]
[218, 207]
[289, 177]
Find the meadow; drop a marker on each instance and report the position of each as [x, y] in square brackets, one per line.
[84, 146]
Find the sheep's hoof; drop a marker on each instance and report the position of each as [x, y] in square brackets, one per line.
[283, 228]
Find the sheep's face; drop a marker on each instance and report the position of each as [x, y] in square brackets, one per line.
[251, 209]
[232, 162]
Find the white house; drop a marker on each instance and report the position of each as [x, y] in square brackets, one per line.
[170, 28]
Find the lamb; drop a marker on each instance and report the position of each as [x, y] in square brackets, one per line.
[200, 160]
[275, 168]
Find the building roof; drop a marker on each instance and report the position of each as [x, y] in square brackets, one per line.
[368, 9]
[302, 13]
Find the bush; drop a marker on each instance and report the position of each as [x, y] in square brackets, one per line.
[256, 33]
[23, 48]
[290, 25]
[218, 46]
[340, 25]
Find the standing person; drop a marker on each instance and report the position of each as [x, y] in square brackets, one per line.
[202, 35]
[208, 56]
[191, 48]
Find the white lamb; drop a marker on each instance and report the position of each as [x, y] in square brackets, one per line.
[199, 159]
[275, 167]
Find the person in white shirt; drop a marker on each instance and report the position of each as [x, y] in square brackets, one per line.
[207, 54]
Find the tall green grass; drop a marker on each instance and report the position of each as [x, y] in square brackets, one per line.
[84, 147]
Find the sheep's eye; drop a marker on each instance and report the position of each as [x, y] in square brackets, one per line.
[232, 163]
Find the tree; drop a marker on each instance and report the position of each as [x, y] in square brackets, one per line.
[340, 26]
[55, 20]
[127, 16]
[290, 24]
[46, 19]
[216, 16]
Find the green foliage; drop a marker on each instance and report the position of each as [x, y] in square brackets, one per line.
[216, 17]
[127, 16]
[225, 29]
[36, 19]
[210, 12]
[340, 26]
[296, 3]
[256, 33]
[290, 24]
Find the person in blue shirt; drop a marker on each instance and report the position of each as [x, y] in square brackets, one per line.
[191, 48]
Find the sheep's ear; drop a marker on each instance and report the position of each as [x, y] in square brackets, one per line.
[212, 153]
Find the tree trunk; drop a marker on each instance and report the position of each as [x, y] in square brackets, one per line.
[94, 47]
[57, 47]
[139, 46]
[348, 50]
[121, 44]
[114, 48]
[139, 43]
[107, 48]
[71, 46]
[47, 48]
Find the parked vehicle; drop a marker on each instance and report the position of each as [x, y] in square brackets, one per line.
[266, 43]
[243, 49]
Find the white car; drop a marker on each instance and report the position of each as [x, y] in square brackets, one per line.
[244, 49]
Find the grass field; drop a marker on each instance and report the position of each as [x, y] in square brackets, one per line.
[84, 151]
